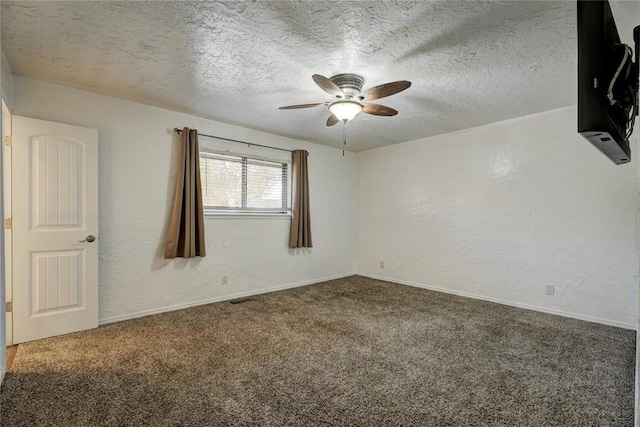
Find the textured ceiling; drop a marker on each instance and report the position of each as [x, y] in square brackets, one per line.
[470, 62]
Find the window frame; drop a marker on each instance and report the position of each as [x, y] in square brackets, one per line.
[245, 211]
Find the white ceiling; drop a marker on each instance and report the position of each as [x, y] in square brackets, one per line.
[470, 62]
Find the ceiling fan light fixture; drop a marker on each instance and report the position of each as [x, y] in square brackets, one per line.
[345, 110]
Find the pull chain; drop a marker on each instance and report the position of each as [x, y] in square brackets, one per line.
[344, 137]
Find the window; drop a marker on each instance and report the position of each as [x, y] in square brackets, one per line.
[238, 184]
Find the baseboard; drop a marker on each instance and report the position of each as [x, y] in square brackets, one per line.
[505, 302]
[144, 313]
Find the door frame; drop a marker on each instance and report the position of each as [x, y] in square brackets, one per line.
[6, 195]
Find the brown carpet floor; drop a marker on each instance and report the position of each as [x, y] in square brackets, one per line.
[348, 352]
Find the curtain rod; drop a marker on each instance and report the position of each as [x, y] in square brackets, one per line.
[179, 131]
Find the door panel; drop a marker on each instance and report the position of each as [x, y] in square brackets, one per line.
[55, 207]
[57, 283]
[56, 172]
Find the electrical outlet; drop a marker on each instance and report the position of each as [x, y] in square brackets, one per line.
[225, 280]
[549, 290]
[381, 264]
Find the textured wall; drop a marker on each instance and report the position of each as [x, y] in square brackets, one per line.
[497, 212]
[501, 211]
[6, 79]
[136, 154]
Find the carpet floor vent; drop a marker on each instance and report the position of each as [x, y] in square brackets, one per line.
[240, 300]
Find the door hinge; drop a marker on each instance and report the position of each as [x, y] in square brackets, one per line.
[8, 140]
[7, 223]
[9, 307]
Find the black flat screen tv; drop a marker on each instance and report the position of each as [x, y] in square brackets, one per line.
[607, 81]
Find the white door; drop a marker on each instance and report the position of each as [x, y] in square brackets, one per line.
[55, 228]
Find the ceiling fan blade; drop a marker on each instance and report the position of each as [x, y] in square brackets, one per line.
[328, 86]
[386, 89]
[293, 107]
[378, 110]
[332, 120]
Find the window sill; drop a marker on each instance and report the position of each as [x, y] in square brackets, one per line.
[248, 215]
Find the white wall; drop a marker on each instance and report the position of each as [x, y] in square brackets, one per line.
[495, 212]
[136, 155]
[500, 211]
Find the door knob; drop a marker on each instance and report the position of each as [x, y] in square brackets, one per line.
[90, 238]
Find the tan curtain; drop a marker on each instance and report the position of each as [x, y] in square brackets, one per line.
[300, 231]
[185, 236]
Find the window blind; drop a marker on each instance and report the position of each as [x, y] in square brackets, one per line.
[242, 184]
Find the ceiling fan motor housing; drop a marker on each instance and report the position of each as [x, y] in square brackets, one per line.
[350, 84]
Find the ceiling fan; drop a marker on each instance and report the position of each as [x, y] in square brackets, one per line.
[347, 88]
